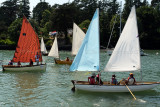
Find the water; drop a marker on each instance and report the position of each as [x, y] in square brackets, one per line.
[53, 87]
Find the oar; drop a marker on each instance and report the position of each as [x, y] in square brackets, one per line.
[131, 92]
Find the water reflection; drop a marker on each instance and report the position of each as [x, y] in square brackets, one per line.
[27, 85]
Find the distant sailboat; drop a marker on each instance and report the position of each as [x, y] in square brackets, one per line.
[54, 49]
[78, 36]
[43, 48]
[125, 58]
[27, 48]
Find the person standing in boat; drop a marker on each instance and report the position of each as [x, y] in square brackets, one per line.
[37, 58]
[98, 78]
[91, 79]
[114, 80]
[131, 79]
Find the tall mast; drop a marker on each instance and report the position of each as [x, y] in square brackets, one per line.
[120, 18]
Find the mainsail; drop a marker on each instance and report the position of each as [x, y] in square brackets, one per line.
[43, 47]
[78, 36]
[87, 58]
[54, 50]
[28, 44]
[126, 55]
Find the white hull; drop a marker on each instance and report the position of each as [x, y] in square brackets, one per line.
[116, 88]
[25, 68]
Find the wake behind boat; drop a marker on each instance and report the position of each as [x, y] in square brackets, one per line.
[125, 58]
[28, 48]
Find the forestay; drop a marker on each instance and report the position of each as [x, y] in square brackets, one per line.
[87, 58]
[54, 50]
[126, 55]
[78, 36]
[43, 47]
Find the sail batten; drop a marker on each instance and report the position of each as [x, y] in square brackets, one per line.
[87, 58]
[78, 36]
[126, 55]
[28, 44]
[54, 50]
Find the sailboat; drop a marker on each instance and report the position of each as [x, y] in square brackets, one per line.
[78, 36]
[43, 48]
[125, 58]
[27, 48]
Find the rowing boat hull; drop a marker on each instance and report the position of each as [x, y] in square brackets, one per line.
[57, 61]
[41, 67]
[140, 86]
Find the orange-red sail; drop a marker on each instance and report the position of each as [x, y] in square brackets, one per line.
[28, 44]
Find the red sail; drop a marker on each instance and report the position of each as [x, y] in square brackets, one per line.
[28, 44]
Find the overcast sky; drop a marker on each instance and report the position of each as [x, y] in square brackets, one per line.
[33, 3]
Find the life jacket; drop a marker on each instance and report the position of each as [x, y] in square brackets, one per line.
[131, 80]
[114, 81]
[92, 81]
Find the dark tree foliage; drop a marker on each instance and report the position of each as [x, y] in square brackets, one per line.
[154, 3]
[39, 9]
[8, 11]
[127, 8]
[63, 17]
[24, 8]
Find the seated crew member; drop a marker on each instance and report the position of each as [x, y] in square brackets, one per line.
[91, 79]
[131, 79]
[114, 80]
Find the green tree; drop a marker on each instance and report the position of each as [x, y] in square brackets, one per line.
[8, 11]
[24, 9]
[154, 3]
[62, 18]
[14, 30]
[148, 25]
[39, 9]
[127, 8]
[84, 25]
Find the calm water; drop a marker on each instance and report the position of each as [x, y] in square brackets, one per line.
[53, 87]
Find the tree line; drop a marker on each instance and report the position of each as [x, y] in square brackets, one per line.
[45, 18]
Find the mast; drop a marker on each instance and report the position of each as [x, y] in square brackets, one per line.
[120, 18]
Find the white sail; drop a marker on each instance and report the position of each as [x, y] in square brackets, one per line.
[54, 50]
[126, 55]
[78, 36]
[43, 47]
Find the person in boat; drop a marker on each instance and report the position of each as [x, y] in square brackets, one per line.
[97, 79]
[131, 79]
[31, 62]
[67, 59]
[10, 62]
[37, 58]
[18, 63]
[91, 79]
[114, 80]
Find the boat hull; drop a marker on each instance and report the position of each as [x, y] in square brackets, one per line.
[41, 67]
[140, 86]
[57, 61]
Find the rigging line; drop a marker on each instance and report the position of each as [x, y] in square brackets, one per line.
[112, 31]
